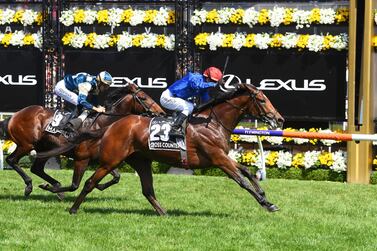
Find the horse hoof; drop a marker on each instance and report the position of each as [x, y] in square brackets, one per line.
[60, 196]
[272, 208]
[28, 190]
[73, 211]
[45, 187]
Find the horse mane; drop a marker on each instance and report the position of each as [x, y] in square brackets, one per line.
[115, 94]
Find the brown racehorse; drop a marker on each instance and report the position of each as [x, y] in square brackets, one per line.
[207, 144]
[26, 129]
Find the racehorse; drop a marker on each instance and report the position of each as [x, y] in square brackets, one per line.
[207, 137]
[27, 129]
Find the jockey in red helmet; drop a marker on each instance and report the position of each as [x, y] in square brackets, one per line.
[192, 84]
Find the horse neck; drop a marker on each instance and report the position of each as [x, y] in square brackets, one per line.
[228, 114]
[123, 108]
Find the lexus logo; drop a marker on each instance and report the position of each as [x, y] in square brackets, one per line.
[18, 80]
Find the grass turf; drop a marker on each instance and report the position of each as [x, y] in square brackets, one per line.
[205, 213]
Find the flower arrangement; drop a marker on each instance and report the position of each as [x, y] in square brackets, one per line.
[21, 39]
[336, 161]
[273, 17]
[115, 16]
[24, 17]
[121, 41]
[263, 41]
[273, 140]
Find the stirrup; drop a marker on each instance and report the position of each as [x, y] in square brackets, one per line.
[176, 132]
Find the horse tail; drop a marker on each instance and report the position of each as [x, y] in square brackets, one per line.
[85, 135]
[4, 134]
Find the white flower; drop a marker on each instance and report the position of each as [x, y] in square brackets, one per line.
[2, 36]
[301, 18]
[299, 141]
[234, 155]
[6, 16]
[327, 16]
[327, 142]
[38, 40]
[161, 17]
[250, 17]
[90, 16]
[125, 41]
[274, 140]
[340, 161]
[215, 40]
[284, 159]
[276, 16]
[238, 41]
[225, 14]
[67, 17]
[289, 40]
[249, 138]
[115, 17]
[137, 17]
[198, 17]
[340, 42]
[315, 43]
[101, 41]
[28, 17]
[149, 41]
[78, 40]
[310, 158]
[375, 17]
[262, 40]
[170, 42]
[17, 38]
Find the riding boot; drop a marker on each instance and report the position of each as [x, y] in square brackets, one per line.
[176, 128]
[74, 124]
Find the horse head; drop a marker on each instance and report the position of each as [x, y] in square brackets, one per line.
[132, 99]
[260, 106]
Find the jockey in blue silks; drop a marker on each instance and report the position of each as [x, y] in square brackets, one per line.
[191, 85]
[75, 89]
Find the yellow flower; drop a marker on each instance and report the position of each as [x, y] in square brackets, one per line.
[39, 18]
[276, 40]
[113, 40]
[313, 141]
[227, 40]
[302, 41]
[375, 160]
[289, 129]
[272, 158]
[374, 41]
[235, 138]
[327, 42]
[342, 15]
[150, 15]
[237, 17]
[136, 40]
[315, 16]
[201, 39]
[103, 16]
[325, 158]
[17, 17]
[79, 16]
[249, 158]
[160, 41]
[7, 144]
[6, 39]
[28, 39]
[212, 16]
[288, 16]
[127, 15]
[67, 38]
[263, 17]
[90, 38]
[250, 40]
[171, 17]
[1, 14]
[298, 160]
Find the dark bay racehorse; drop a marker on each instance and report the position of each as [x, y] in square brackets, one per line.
[26, 129]
[207, 144]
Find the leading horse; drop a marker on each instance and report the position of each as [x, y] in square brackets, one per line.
[207, 138]
[27, 129]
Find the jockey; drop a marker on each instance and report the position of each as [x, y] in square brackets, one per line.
[75, 90]
[192, 84]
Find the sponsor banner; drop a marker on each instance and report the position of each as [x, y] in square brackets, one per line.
[21, 79]
[301, 85]
[152, 70]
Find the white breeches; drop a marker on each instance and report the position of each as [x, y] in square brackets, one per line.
[170, 102]
[65, 94]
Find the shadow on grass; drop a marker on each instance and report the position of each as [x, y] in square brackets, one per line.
[53, 197]
[151, 212]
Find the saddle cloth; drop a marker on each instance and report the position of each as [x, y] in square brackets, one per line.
[159, 129]
[58, 122]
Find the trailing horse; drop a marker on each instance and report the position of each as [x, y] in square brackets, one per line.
[207, 136]
[27, 129]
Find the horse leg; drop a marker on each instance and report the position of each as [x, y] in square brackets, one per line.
[13, 159]
[116, 177]
[252, 178]
[144, 170]
[90, 184]
[38, 169]
[78, 172]
[229, 166]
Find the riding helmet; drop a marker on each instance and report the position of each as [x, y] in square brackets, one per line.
[105, 78]
[213, 73]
